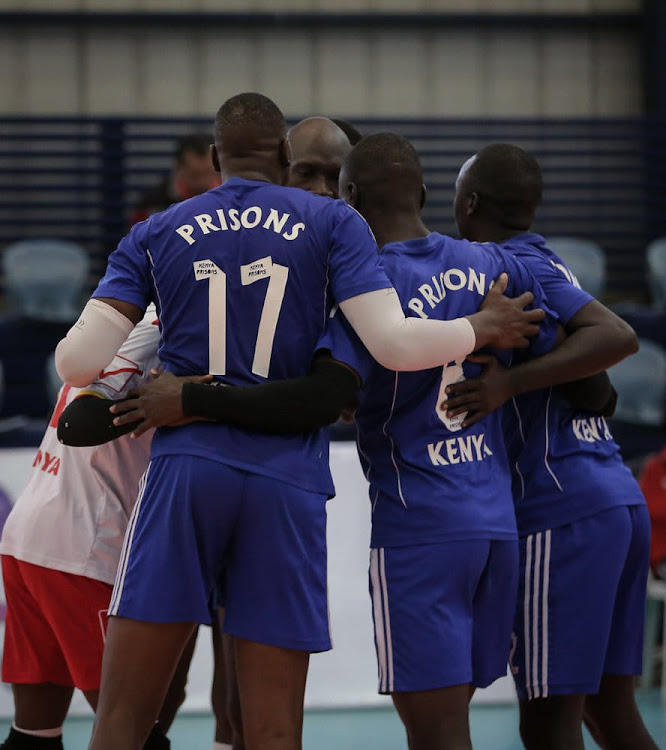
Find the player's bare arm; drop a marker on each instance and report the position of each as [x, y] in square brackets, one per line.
[92, 342]
[88, 419]
[596, 339]
[288, 406]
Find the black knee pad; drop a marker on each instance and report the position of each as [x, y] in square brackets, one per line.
[20, 741]
[157, 740]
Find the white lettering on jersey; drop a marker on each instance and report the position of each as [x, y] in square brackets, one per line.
[564, 270]
[591, 430]
[234, 220]
[459, 450]
[47, 463]
[435, 289]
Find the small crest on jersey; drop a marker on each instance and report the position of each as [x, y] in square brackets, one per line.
[451, 374]
[205, 268]
[258, 269]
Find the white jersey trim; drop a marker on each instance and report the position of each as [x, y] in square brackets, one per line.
[127, 547]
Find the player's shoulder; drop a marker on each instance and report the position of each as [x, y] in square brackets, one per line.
[528, 245]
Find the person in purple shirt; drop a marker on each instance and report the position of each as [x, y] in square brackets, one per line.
[582, 520]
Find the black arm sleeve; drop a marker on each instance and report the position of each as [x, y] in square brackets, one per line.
[282, 406]
[595, 394]
[88, 421]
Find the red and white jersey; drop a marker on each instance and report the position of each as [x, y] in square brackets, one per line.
[73, 512]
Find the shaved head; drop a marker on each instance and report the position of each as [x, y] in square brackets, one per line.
[353, 135]
[250, 139]
[251, 112]
[386, 172]
[318, 148]
[502, 186]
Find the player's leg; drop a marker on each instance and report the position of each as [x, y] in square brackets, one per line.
[612, 713]
[33, 663]
[220, 697]
[233, 697]
[172, 555]
[614, 719]
[567, 588]
[553, 723]
[271, 685]
[423, 611]
[176, 691]
[435, 719]
[277, 607]
[139, 661]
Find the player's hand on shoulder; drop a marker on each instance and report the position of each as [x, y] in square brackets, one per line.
[156, 404]
[502, 321]
[479, 396]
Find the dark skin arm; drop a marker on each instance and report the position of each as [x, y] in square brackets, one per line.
[88, 420]
[130, 311]
[279, 407]
[596, 339]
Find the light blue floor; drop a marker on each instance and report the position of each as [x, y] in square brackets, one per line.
[493, 728]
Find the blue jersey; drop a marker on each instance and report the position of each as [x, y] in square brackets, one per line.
[566, 464]
[244, 278]
[431, 480]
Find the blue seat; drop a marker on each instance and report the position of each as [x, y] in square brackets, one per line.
[585, 259]
[656, 271]
[45, 279]
[640, 382]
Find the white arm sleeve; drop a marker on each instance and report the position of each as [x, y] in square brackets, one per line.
[400, 343]
[91, 343]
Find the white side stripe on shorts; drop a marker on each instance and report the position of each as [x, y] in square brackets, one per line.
[127, 547]
[535, 613]
[382, 620]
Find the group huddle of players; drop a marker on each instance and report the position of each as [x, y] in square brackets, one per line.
[505, 527]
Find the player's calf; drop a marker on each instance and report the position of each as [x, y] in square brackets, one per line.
[553, 723]
[613, 716]
[436, 719]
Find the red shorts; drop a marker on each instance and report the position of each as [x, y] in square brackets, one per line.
[55, 628]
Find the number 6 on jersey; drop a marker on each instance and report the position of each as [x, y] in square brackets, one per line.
[258, 270]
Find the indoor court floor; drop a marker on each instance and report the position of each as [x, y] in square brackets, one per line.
[493, 728]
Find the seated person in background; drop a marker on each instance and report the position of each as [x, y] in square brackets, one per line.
[192, 174]
[653, 484]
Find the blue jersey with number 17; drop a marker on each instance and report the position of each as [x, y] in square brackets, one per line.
[430, 479]
[244, 278]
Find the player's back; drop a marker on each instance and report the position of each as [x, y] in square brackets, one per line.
[430, 479]
[566, 464]
[73, 512]
[244, 277]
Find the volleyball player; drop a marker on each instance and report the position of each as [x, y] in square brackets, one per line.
[583, 524]
[60, 549]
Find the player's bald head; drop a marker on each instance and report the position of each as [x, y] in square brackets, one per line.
[353, 135]
[318, 149]
[386, 173]
[501, 184]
